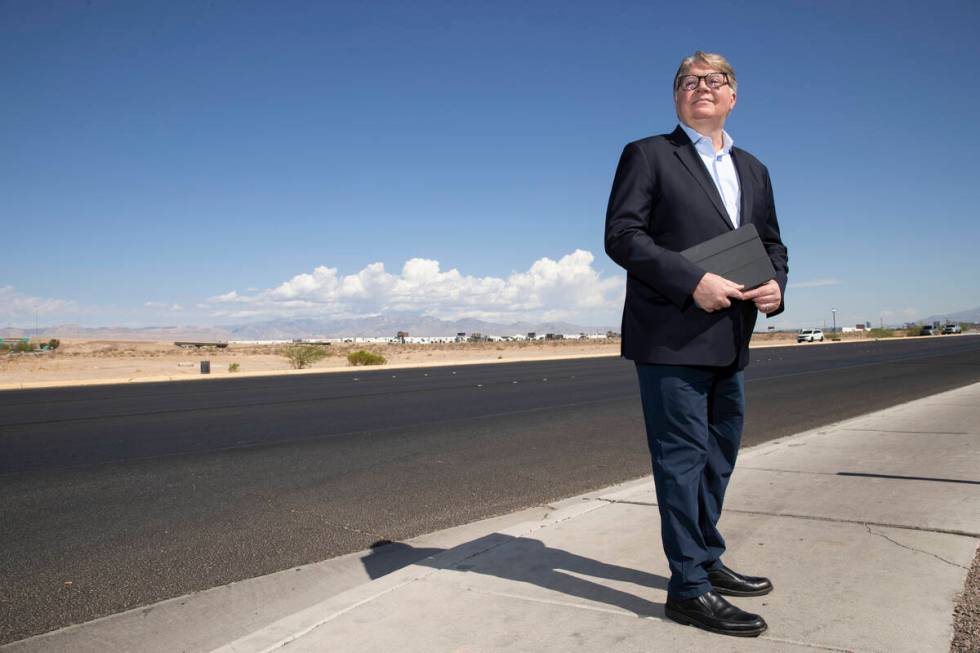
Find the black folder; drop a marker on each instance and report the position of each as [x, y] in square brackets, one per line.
[736, 255]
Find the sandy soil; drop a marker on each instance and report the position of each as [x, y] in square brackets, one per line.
[105, 361]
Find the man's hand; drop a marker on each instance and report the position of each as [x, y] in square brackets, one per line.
[715, 293]
[767, 297]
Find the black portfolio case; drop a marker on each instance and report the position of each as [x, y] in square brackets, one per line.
[736, 255]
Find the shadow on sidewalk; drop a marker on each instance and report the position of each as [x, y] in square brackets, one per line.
[523, 560]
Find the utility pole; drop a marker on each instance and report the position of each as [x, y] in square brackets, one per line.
[834, 311]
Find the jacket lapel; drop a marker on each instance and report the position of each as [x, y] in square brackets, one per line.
[692, 161]
[744, 187]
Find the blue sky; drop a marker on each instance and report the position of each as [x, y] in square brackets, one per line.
[209, 163]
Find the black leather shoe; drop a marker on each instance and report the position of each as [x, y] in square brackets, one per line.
[731, 583]
[713, 613]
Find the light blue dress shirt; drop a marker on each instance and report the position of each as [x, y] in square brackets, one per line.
[722, 170]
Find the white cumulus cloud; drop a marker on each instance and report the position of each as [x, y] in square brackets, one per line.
[566, 289]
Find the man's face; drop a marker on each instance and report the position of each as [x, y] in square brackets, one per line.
[703, 103]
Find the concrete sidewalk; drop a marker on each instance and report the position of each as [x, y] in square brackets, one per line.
[866, 528]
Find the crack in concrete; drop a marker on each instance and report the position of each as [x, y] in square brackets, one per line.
[912, 548]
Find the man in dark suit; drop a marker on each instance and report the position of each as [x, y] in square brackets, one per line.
[688, 330]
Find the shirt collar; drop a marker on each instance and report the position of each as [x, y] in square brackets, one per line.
[703, 143]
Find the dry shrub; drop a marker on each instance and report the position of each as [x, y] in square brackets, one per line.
[365, 358]
[301, 356]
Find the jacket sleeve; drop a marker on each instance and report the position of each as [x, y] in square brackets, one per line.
[773, 243]
[628, 242]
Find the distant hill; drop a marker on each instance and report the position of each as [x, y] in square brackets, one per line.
[368, 327]
[972, 315]
[389, 325]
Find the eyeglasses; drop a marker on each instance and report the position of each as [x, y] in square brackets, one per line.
[714, 81]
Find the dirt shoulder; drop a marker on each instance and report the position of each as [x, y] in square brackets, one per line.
[85, 362]
[88, 362]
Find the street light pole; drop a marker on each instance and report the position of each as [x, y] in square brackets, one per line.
[834, 311]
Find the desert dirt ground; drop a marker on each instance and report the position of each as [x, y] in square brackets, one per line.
[94, 361]
[78, 362]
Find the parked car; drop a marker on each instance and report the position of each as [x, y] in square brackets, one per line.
[810, 335]
[928, 330]
[952, 328]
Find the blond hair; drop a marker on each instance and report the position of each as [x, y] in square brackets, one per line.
[716, 61]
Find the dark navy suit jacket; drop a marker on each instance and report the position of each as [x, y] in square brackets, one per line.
[662, 202]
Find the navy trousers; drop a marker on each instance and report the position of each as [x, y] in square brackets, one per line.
[694, 418]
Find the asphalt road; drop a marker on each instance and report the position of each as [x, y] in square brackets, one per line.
[113, 497]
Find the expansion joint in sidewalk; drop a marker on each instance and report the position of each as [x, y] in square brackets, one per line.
[845, 428]
[862, 522]
[787, 471]
[907, 527]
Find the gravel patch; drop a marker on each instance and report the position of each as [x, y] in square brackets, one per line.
[966, 614]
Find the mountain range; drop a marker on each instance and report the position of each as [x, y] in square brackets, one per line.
[367, 327]
[972, 315]
[288, 329]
